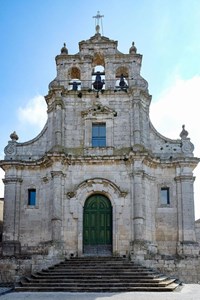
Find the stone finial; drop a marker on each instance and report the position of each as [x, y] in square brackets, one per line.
[14, 137]
[97, 29]
[64, 50]
[133, 49]
[184, 133]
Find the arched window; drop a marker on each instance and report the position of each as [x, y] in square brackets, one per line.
[75, 73]
[98, 78]
[75, 79]
[122, 78]
[121, 70]
[98, 73]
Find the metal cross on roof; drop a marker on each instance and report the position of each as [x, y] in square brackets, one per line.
[97, 18]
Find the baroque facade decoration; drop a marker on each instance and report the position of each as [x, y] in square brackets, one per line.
[99, 179]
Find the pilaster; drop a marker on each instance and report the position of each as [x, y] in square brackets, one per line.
[185, 197]
[136, 122]
[56, 218]
[11, 244]
[58, 121]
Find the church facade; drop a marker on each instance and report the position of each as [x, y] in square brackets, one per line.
[99, 179]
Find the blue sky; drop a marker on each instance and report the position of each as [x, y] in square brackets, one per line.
[165, 32]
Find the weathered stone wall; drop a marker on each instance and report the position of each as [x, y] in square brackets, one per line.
[140, 199]
[185, 269]
[14, 268]
[1, 218]
[197, 229]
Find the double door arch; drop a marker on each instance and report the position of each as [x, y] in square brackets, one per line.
[97, 225]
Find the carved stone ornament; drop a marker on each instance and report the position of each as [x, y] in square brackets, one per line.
[71, 194]
[184, 133]
[64, 50]
[187, 146]
[14, 136]
[10, 149]
[133, 49]
[98, 109]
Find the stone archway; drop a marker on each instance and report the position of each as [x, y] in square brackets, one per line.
[88, 188]
[97, 226]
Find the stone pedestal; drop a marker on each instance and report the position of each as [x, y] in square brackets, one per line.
[11, 248]
[140, 250]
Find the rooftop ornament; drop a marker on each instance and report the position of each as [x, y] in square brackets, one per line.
[97, 26]
[14, 137]
[184, 133]
[64, 49]
[133, 49]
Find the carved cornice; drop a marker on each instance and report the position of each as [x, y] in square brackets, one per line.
[58, 101]
[142, 174]
[184, 178]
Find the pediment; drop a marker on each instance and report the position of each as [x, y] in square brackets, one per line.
[98, 109]
[98, 38]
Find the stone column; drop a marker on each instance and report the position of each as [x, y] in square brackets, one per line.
[138, 219]
[58, 122]
[136, 122]
[185, 198]
[11, 224]
[56, 218]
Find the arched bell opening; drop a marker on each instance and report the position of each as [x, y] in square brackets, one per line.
[121, 79]
[98, 78]
[98, 72]
[75, 79]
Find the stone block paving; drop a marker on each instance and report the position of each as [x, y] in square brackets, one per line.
[187, 292]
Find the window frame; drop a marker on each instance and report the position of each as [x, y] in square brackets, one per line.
[166, 197]
[32, 200]
[99, 139]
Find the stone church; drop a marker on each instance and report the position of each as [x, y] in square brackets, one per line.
[99, 179]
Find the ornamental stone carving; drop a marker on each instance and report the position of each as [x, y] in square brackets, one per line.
[187, 147]
[10, 149]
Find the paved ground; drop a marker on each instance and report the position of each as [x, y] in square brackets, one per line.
[187, 292]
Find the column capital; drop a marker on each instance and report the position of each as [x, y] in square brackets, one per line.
[12, 180]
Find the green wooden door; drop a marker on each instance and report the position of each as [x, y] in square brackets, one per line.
[97, 225]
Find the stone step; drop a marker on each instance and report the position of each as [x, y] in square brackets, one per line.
[97, 275]
[102, 278]
[100, 267]
[97, 290]
[96, 271]
[98, 284]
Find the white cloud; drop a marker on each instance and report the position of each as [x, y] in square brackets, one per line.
[176, 106]
[179, 105]
[32, 118]
[34, 113]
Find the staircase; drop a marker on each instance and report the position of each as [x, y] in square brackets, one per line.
[97, 274]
